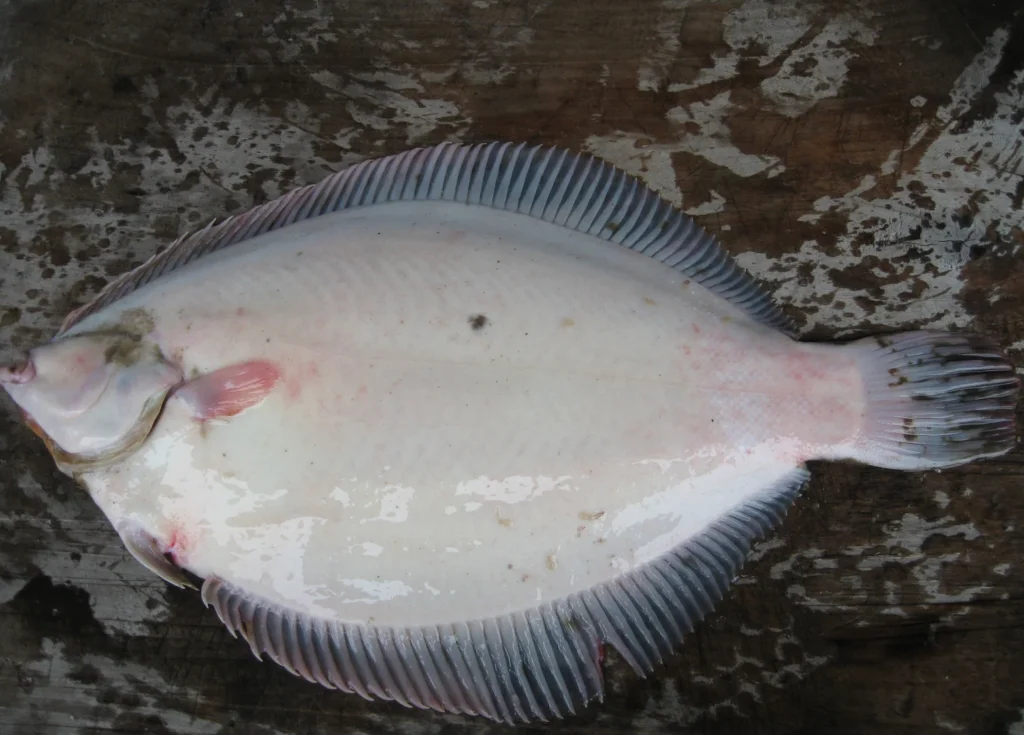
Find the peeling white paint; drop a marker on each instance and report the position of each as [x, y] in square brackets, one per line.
[760, 549]
[949, 725]
[955, 165]
[973, 79]
[715, 204]
[385, 106]
[817, 70]
[654, 69]
[770, 27]
[151, 690]
[701, 131]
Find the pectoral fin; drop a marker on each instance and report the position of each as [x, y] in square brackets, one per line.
[230, 390]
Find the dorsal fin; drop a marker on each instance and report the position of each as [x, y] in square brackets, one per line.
[574, 190]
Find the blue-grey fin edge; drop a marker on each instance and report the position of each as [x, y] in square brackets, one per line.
[576, 190]
[144, 549]
[534, 665]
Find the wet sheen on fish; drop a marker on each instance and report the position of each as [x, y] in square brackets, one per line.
[438, 428]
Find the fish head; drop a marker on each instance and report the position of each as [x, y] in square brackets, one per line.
[94, 397]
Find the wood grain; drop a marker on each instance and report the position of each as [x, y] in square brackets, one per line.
[863, 158]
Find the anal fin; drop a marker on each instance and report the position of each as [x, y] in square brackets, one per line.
[527, 666]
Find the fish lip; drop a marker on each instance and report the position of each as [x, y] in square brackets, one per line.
[19, 372]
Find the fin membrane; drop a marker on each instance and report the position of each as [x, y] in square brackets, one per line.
[532, 665]
[573, 190]
[230, 390]
[935, 399]
[147, 552]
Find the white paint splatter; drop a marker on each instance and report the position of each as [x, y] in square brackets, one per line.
[817, 70]
[713, 205]
[152, 694]
[769, 27]
[948, 725]
[957, 164]
[384, 106]
[701, 131]
[654, 69]
[760, 549]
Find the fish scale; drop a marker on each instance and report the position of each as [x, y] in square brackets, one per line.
[439, 428]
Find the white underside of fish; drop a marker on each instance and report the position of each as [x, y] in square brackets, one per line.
[478, 412]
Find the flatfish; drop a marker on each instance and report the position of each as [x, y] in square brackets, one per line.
[438, 428]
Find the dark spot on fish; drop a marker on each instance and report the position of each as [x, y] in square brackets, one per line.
[136, 322]
[908, 430]
[613, 226]
[478, 322]
[902, 380]
[883, 341]
[75, 556]
[123, 350]
[894, 371]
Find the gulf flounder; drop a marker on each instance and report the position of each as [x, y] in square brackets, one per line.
[437, 428]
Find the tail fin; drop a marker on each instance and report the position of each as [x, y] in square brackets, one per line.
[935, 399]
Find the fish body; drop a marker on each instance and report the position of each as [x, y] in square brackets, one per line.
[434, 430]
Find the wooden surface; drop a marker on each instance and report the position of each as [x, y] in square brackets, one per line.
[864, 158]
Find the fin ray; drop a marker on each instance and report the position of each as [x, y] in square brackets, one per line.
[146, 550]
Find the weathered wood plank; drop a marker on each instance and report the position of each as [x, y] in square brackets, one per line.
[864, 158]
